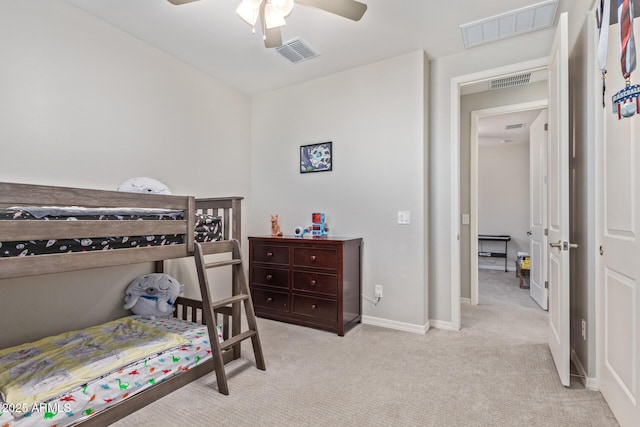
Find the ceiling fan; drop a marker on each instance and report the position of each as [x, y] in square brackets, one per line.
[272, 13]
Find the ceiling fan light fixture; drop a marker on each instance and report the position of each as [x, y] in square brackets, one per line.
[248, 12]
[272, 17]
[283, 7]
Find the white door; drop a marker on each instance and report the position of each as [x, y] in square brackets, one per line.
[619, 269]
[558, 202]
[538, 206]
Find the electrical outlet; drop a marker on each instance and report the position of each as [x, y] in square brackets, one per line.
[378, 291]
[584, 329]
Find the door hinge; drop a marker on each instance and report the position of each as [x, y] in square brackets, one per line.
[546, 126]
[546, 284]
[546, 231]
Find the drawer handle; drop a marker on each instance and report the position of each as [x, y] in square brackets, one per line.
[313, 283]
[269, 299]
[313, 306]
[269, 254]
[269, 277]
[313, 257]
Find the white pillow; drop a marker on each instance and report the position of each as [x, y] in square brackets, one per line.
[144, 184]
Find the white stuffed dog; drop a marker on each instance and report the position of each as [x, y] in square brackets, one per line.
[142, 184]
[152, 295]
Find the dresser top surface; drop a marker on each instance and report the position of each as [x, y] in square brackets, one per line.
[288, 239]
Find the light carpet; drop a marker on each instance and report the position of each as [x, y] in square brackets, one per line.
[496, 371]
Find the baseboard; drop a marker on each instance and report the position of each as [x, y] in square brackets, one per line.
[588, 382]
[392, 324]
[465, 300]
[407, 327]
[496, 267]
[441, 324]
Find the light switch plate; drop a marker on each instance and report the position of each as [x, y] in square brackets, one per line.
[404, 217]
[465, 219]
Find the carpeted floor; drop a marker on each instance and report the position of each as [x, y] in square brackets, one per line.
[496, 371]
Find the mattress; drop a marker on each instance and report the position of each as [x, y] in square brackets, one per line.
[81, 402]
[207, 229]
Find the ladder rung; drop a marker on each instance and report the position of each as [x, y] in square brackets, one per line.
[236, 339]
[224, 302]
[222, 263]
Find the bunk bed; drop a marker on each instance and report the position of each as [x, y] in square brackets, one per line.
[174, 216]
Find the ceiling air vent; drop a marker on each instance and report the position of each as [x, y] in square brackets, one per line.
[514, 126]
[296, 50]
[514, 23]
[520, 79]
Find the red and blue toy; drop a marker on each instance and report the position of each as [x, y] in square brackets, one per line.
[318, 227]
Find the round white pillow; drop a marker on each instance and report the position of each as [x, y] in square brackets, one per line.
[144, 184]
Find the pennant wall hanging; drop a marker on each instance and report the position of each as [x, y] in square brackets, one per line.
[625, 102]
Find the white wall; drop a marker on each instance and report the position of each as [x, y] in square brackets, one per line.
[375, 117]
[503, 199]
[84, 104]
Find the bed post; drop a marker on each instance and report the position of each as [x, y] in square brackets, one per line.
[236, 205]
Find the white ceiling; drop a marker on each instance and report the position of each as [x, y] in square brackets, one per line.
[208, 35]
[492, 129]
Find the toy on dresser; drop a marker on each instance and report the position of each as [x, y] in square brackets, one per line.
[275, 228]
[318, 227]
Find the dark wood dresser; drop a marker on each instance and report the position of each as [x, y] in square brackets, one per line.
[307, 281]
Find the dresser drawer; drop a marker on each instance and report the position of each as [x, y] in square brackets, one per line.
[270, 300]
[315, 307]
[270, 277]
[271, 254]
[315, 282]
[316, 258]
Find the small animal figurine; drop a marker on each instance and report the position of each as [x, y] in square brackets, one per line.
[275, 228]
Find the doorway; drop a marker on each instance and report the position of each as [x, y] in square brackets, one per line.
[499, 191]
[458, 84]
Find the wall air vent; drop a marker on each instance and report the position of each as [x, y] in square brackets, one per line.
[296, 50]
[520, 79]
[514, 126]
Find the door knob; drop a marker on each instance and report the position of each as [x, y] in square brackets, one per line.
[564, 246]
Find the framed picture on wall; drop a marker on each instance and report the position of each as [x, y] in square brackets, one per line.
[316, 157]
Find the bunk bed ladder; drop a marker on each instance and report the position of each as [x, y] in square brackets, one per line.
[240, 294]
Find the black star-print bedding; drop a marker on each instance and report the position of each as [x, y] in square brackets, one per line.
[208, 228]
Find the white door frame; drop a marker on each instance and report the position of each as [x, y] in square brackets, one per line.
[476, 115]
[456, 82]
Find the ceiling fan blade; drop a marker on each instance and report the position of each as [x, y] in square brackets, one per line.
[350, 9]
[179, 2]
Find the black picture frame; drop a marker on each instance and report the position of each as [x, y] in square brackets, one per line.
[316, 157]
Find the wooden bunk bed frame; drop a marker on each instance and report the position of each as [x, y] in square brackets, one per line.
[229, 208]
